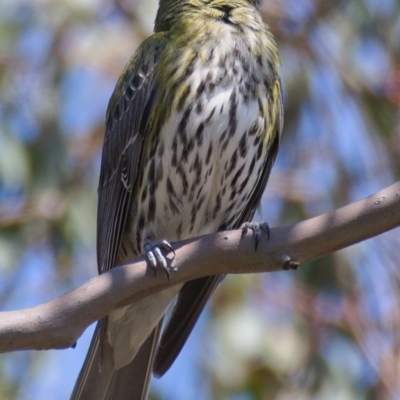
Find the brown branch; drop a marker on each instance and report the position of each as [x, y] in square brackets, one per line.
[59, 323]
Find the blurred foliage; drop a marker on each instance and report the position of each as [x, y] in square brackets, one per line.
[327, 331]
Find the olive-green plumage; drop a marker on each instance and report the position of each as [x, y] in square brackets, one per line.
[192, 131]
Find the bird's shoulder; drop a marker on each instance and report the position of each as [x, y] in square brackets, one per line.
[140, 66]
[127, 105]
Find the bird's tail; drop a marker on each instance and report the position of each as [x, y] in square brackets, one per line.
[98, 380]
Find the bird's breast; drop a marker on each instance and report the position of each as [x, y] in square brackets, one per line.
[203, 162]
[212, 154]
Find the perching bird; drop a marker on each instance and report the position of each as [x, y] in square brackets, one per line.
[192, 131]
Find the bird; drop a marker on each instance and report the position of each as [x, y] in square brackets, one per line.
[193, 129]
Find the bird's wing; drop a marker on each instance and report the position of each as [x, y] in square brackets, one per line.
[195, 294]
[190, 303]
[100, 381]
[128, 115]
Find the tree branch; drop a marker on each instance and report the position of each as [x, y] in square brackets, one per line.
[59, 323]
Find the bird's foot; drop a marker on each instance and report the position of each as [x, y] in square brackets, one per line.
[257, 228]
[153, 253]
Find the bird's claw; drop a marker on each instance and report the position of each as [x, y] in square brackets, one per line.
[257, 228]
[153, 253]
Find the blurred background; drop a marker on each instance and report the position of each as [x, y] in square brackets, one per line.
[327, 331]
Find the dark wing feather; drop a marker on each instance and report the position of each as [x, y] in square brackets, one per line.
[194, 295]
[191, 300]
[128, 383]
[128, 114]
